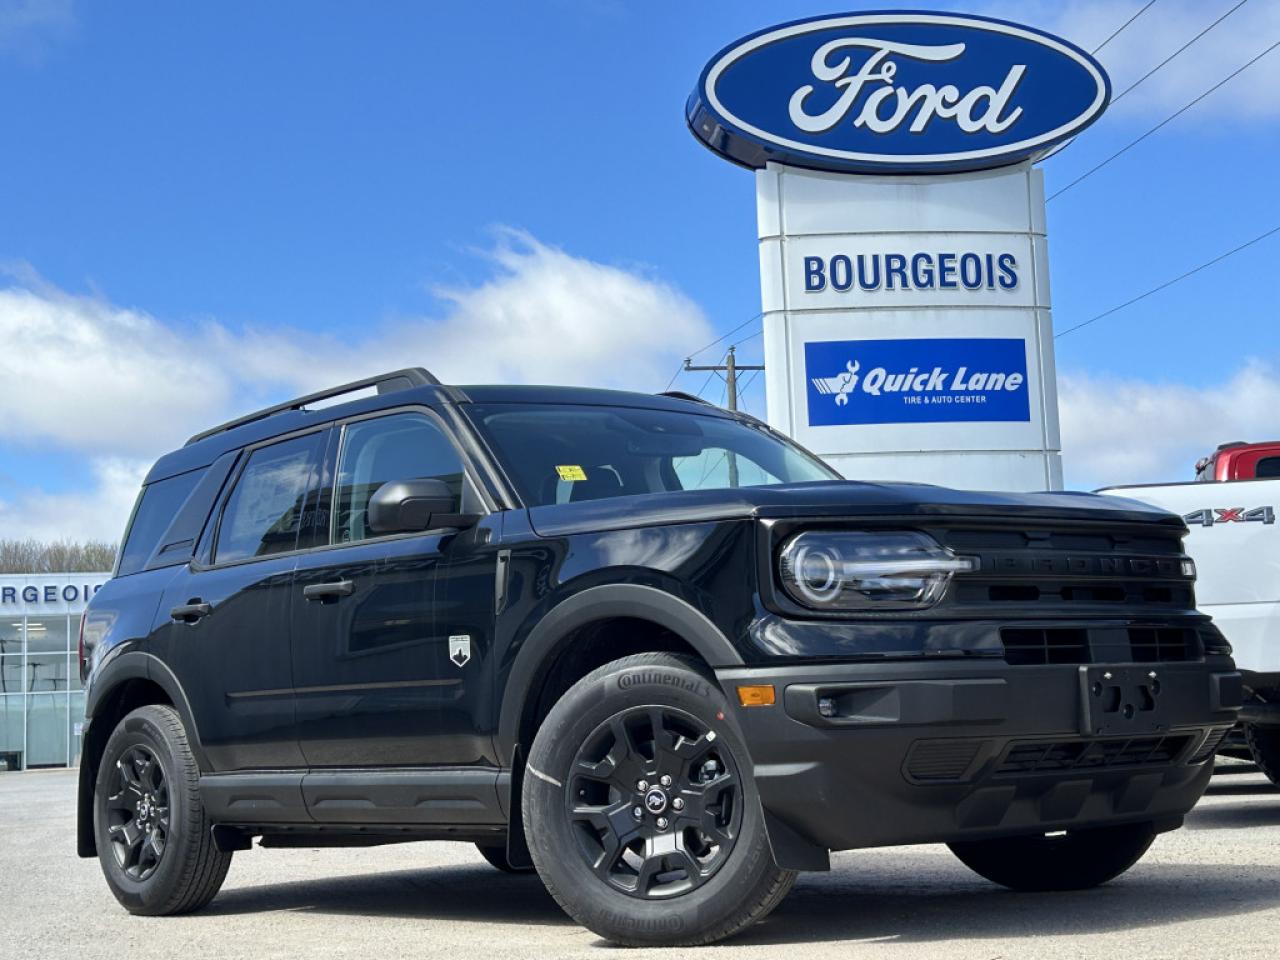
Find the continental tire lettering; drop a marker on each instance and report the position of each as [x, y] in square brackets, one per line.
[670, 923]
[697, 687]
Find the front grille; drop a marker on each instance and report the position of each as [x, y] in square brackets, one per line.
[941, 760]
[1162, 644]
[1043, 757]
[1061, 593]
[1032, 646]
[1042, 646]
[1117, 567]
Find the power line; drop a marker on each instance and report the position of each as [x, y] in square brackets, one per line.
[746, 384]
[1175, 53]
[722, 337]
[1092, 170]
[730, 368]
[1119, 30]
[710, 377]
[1169, 283]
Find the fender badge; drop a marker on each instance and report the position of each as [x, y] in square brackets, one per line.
[460, 649]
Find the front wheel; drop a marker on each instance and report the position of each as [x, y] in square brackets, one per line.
[640, 811]
[154, 843]
[1074, 860]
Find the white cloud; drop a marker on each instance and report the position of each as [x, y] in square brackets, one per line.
[28, 28]
[120, 386]
[1158, 33]
[97, 378]
[1134, 431]
[545, 317]
[97, 512]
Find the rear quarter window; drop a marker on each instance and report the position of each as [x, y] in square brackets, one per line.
[157, 505]
[1268, 467]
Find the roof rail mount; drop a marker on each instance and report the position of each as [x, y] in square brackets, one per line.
[384, 382]
[682, 395]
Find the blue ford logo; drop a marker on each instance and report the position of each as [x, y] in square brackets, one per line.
[896, 93]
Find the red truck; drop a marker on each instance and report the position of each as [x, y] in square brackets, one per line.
[1241, 461]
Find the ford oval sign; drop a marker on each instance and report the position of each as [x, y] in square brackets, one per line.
[896, 93]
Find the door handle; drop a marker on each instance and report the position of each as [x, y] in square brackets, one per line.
[191, 611]
[328, 591]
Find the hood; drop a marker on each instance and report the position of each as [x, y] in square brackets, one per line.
[836, 498]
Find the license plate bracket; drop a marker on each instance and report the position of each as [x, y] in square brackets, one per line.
[1120, 700]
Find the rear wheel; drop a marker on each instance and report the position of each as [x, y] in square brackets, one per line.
[1075, 860]
[154, 843]
[640, 811]
[1264, 744]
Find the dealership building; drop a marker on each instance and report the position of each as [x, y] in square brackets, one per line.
[41, 699]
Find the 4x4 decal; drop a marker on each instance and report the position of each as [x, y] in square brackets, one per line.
[1211, 515]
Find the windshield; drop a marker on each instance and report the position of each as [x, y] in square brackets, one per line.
[564, 453]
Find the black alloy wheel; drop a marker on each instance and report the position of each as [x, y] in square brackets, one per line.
[655, 802]
[138, 812]
[640, 811]
[153, 836]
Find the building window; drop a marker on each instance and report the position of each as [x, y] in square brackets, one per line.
[41, 699]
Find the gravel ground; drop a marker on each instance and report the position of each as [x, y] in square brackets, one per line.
[1209, 890]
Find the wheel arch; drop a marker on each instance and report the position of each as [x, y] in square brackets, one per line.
[126, 682]
[667, 615]
[650, 619]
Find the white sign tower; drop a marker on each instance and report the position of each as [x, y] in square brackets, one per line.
[903, 255]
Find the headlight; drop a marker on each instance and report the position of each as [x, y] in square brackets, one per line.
[868, 570]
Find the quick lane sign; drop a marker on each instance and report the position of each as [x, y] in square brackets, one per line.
[895, 92]
[916, 381]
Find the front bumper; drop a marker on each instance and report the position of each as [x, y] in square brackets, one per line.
[933, 751]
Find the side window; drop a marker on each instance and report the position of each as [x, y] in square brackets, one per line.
[403, 446]
[159, 503]
[264, 511]
[1268, 467]
[317, 514]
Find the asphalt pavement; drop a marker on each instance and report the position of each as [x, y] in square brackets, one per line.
[1209, 890]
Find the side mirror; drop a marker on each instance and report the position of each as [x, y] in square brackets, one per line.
[407, 506]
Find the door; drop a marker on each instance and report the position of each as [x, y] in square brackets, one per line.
[230, 616]
[376, 681]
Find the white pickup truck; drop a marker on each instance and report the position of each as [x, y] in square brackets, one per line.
[1230, 509]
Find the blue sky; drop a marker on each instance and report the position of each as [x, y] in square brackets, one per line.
[210, 196]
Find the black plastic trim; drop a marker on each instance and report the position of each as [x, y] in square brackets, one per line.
[604, 603]
[450, 797]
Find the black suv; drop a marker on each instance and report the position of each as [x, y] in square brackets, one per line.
[648, 647]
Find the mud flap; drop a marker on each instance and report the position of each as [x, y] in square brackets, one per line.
[790, 850]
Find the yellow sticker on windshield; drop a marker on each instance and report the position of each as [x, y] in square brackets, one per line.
[571, 472]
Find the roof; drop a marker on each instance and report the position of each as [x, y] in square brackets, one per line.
[398, 388]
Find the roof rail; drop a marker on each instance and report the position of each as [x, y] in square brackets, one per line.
[385, 383]
[682, 395]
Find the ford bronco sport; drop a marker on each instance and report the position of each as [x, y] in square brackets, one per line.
[650, 648]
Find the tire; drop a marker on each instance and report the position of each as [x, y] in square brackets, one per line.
[645, 718]
[148, 784]
[1264, 744]
[496, 854]
[1076, 860]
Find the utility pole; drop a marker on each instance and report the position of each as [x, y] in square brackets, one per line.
[730, 368]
